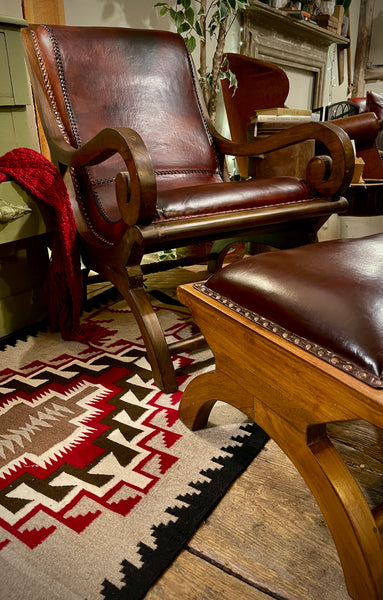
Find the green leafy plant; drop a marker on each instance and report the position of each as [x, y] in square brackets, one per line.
[200, 20]
[345, 3]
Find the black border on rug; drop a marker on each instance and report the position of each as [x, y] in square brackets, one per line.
[172, 538]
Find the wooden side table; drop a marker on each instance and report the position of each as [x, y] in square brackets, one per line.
[24, 224]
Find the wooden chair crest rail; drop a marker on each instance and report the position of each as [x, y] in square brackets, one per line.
[127, 127]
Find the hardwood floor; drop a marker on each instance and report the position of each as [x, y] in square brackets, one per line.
[267, 537]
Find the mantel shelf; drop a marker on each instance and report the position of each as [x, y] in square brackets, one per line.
[270, 35]
[275, 20]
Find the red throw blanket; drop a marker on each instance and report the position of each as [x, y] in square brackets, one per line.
[40, 178]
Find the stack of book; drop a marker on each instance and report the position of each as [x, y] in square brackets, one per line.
[329, 22]
[269, 120]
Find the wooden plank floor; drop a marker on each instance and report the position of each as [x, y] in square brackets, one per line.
[267, 537]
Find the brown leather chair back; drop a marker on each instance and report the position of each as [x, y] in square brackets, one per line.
[361, 102]
[260, 85]
[147, 84]
[374, 103]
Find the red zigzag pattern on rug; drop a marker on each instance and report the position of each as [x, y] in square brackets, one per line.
[107, 421]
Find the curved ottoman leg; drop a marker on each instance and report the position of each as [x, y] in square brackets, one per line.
[202, 393]
[348, 516]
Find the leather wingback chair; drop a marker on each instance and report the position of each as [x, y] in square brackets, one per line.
[373, 102]
[123, 115]
[272, 87]
[364, 129]
[265, 85]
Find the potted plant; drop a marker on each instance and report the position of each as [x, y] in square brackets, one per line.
[201, 20]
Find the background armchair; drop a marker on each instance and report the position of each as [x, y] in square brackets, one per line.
[373, 102]
[265, 85]
[126, 126]
[261, 84]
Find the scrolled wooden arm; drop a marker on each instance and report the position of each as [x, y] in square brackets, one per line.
[136, 187]
[329, 175]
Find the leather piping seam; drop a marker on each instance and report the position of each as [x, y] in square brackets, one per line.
[60, 69]
[320, 352]
[210, 138]
[48, 86]
[76, 135]
[84, 211]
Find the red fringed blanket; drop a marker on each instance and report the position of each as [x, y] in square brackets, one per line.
[40, 178]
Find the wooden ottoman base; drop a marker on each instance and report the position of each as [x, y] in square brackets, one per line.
[293, 389]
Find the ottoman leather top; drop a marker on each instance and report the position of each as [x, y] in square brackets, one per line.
[330, 293]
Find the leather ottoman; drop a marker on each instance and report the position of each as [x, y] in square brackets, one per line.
[297, 337]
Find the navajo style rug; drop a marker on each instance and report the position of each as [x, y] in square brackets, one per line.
[100, 484]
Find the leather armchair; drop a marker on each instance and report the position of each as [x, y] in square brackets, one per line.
[261, 84]
[144, 166]
[265, 85]
[373, 102]
[364, 129]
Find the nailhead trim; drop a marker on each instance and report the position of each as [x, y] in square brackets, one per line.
[60, 69]
[195, 84]
[73, 126]
[103, 181]
[314, 349]
[186, 172]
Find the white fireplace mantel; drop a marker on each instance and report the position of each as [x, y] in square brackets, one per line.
[270, 35]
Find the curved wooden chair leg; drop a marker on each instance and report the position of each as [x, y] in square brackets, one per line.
[222, 247]
[348, 516]
[197, 401]
[130, 285]
[156, 346]
[200, 396]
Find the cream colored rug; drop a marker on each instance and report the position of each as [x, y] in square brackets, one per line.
[100, 484]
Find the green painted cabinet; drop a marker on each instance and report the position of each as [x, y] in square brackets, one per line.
[24, 224]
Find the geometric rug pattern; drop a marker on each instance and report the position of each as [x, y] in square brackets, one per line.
[100, 484]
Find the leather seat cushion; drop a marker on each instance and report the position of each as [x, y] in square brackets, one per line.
[217, 198]
[330, 293]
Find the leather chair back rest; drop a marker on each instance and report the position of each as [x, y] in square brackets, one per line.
[260, 85]
[374, 103]
[361, 102]
[99, 77]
